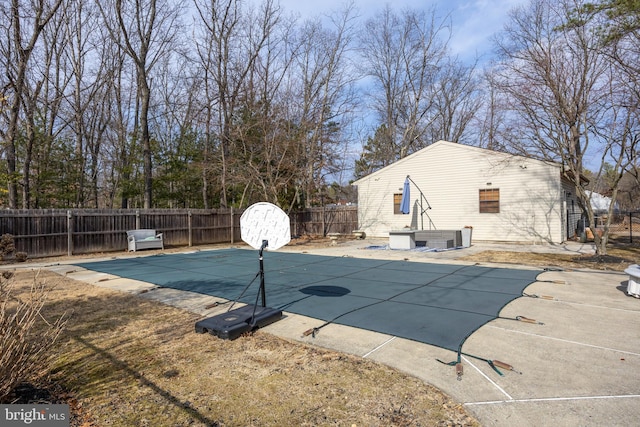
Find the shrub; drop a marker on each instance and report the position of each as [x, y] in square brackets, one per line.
[25, 335]
[7, 245]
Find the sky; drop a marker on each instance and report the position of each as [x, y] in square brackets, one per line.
[474, 21]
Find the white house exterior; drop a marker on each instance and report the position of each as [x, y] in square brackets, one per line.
[524, 200]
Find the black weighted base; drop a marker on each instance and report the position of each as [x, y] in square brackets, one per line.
[231, 324]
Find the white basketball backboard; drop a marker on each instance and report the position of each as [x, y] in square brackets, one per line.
[265, 221]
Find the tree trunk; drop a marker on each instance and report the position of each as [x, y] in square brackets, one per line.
[145, 95]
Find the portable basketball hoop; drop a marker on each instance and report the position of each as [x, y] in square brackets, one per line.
[262, 226]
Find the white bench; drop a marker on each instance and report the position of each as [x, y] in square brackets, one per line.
[144, 239]
[633, 287]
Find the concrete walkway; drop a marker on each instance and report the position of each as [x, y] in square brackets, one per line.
[581, 367]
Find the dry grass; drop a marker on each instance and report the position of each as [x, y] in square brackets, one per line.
[126, 361]
[619, 256]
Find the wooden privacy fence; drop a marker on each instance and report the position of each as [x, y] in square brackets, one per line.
[54, 232]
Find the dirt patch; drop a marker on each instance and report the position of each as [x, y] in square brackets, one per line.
[613, 262]
[125, 361]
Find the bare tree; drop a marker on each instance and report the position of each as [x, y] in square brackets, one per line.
[456, 102]
[43, 121]
[618, 129]
[23, 26]
[268, 153]
[145, 30]
[86, 59]
[404, 56]
[326, 95]
[124, 141]
[491, 123]
[561, 92]
[178, 150]
[621, 37]
[230, 44]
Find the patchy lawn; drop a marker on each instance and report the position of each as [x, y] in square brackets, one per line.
[619, 255]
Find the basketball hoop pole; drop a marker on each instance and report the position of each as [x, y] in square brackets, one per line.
[263, 294]
[260, 223]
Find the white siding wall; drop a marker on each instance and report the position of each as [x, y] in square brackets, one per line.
[450, 176]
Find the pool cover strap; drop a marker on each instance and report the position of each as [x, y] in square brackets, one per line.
[493, 363]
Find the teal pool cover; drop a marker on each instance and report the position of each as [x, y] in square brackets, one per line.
[437, 304]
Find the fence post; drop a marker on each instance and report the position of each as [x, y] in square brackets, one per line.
[295, 224]
[69, 234]
[137, 219]
[630, 227]
[232, 225]
[190, 229]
